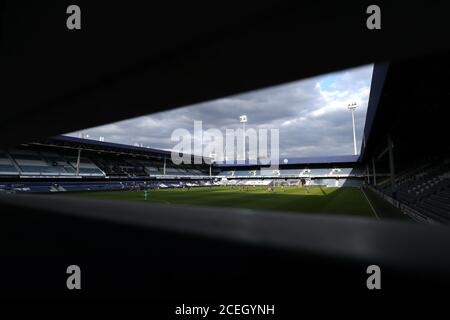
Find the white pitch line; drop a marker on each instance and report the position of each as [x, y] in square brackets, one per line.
[370, 204]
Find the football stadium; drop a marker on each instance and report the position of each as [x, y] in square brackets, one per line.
[95, 169]
[94, 172]
[367, 183]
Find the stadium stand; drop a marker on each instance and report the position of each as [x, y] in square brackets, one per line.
[106, 166]
[226, 173]
[425, 189]
[86, 166]
[300, 172]
[7, 166]
[58, 157]
[123, 166]
[58, 162]
[31, 163]
[152, 171]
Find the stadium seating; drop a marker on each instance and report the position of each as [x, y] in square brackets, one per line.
[26, 162]
[124, 171]
[6, 165]
[86, 166]
[425, 189]
[32, 163]
[325, 172]
[128, 166]
[152, 171]
[226, 173]
[172, 171]
[196, 172]
[58, 163]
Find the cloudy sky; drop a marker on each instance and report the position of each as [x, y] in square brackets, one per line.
[311, 116]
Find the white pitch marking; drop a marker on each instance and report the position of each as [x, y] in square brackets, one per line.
[370, 204]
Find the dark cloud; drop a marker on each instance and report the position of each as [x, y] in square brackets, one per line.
[311, 115]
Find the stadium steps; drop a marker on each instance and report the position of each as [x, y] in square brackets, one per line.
[426, 208]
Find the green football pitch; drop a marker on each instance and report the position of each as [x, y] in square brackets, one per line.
[341, 201]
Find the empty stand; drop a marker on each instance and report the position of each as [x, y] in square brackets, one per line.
[7, 166]
[86, 166]
[424, 189]
[31, 163]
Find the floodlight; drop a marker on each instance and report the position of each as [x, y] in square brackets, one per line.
[352, 106]
[243, 120]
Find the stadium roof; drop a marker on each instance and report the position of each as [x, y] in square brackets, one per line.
[102, 146]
